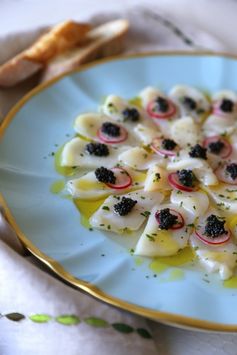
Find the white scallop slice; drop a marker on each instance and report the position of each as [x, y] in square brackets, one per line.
[184, 131]
[217, 258]
[88, 124]
[156, 242]
[74, 154]
[225, 196]
[196, 202]
[225, 94]
[200, 168]
[216, 125]
[105, 218]
[87, 187]
[138, 158]
[156, 179]
[179, 91]
[114, 106]
[149, 94]
[146, 134]
[233, 141]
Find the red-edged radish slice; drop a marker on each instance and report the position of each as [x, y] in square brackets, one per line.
[153, 112]
[216, 107]
[225, 151]
[180, 221]
[174, 182]
[156, 146]
[105, 138]
[224, 176]
[221, 239]
[123, 179]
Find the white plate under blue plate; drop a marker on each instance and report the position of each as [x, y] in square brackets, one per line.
[50, 225]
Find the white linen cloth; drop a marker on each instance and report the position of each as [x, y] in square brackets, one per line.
[28, 290]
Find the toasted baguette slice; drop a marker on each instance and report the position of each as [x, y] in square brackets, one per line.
[17, 69]
[60, 38]
[104, 40]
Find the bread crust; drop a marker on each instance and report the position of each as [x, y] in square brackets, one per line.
[101, 44]
[62, 37]
[65, 47]
[59, 39]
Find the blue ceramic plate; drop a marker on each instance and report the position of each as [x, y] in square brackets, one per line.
[49, 224]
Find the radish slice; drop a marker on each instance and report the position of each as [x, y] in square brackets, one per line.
[174, 181]
[156, 146]
[123, 179]
[105, 138]
[155, 113]
[218, 111]
[221, 239]
[180, 221]
[224, 176]
[225, 151]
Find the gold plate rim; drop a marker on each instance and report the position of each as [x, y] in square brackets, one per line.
[164, 317]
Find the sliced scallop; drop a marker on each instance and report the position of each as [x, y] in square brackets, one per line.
[156, 179]
[105, 217]
[202, 106]
[196, 203]
[88, 125]
[138, 158]
[216, 125]
[200, 168]
[74, 153]
[220, 258]
[87, 187]
[185, 131]
[224, 196]
[156, 242]
[146, 134]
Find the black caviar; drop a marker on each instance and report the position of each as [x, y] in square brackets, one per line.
[125, 206]
[162, 104]
[189, 103]
[168, 144]
[131, 114]
[231, 169]
[186, 177]
[214, 227]
[97, 149]
[227, 105]
[105, 175]
[197, 151]
[111, 129]
[166, 219]
[216, 147]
